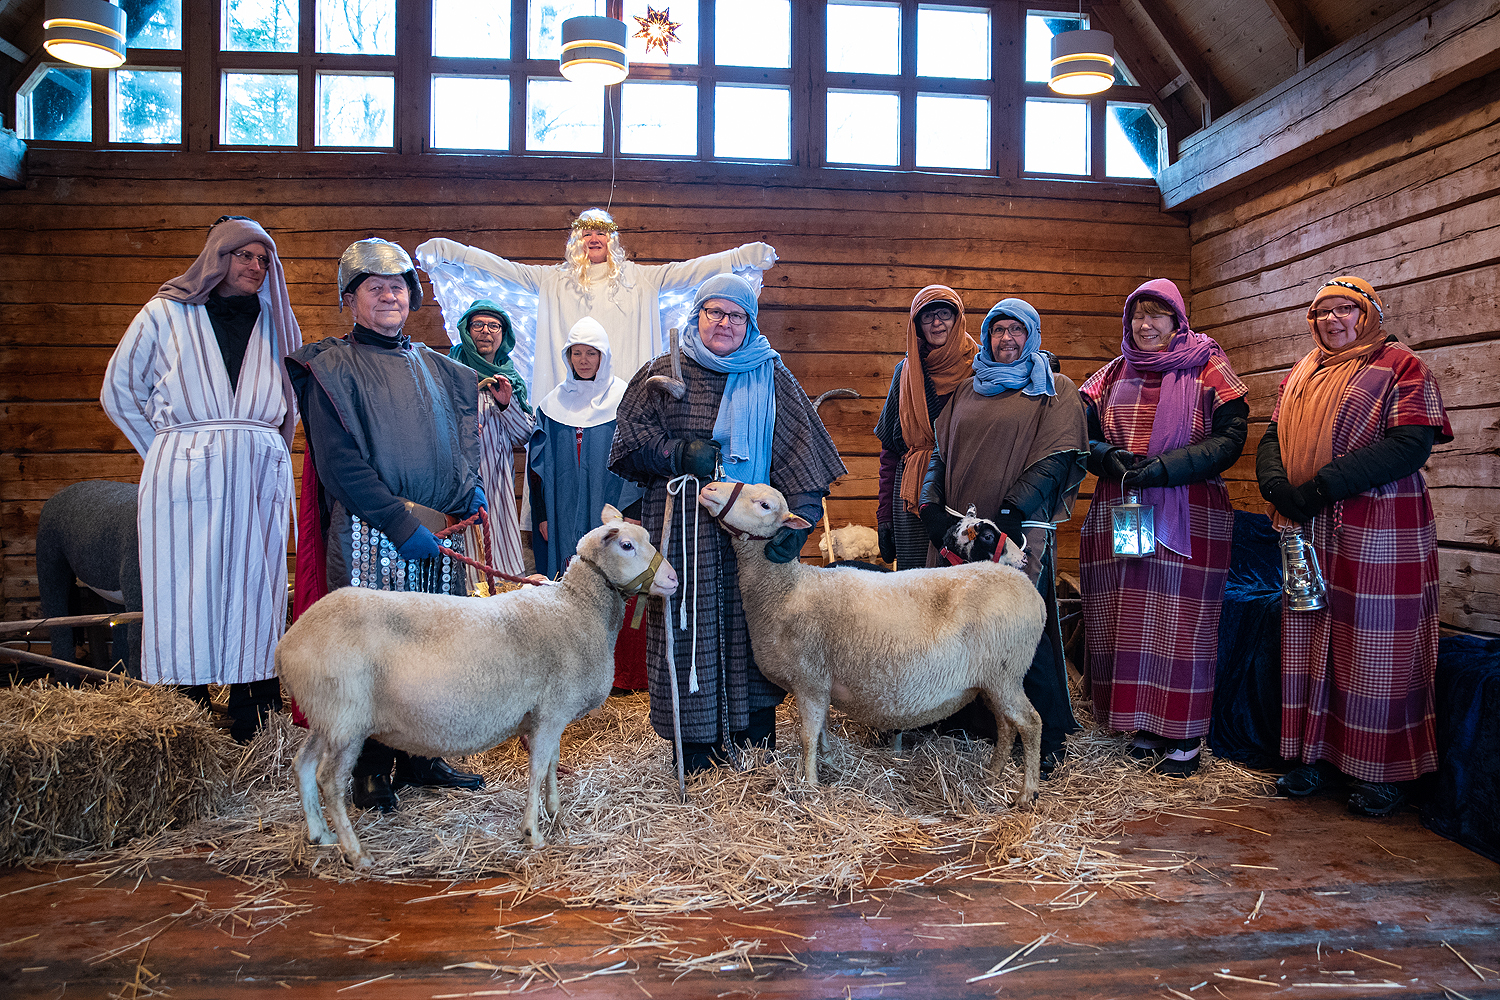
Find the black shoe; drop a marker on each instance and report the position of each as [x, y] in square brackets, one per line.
[1175, 764]
[434, 772]
[1375, 799]
[1300, 782]
[373, 791]
[699, 757]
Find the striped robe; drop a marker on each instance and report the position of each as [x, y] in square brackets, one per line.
[501, 432]
[803, 460]
[215, 494]
[1152, 624]
[1357, 677]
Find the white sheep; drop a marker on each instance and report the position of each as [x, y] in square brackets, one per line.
[892, 650]
[436, 675]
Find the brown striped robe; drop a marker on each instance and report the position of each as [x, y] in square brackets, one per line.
[803, 460]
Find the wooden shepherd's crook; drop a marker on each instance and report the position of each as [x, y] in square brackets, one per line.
[817, 404]
[675, 388]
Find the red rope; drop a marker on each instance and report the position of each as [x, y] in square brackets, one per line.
[483, 517]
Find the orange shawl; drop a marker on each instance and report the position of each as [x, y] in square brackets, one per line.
[1315, 388]
[947, 366]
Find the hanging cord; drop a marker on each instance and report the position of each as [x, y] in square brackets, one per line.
[677, 487]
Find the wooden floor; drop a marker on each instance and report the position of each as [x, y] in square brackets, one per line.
[1280, 898]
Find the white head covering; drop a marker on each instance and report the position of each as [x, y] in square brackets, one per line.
[586, 404]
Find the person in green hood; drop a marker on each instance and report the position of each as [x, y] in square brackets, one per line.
[486, 339]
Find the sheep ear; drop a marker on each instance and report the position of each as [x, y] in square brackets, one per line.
[610, 514]
[793, 521]
[610, 534]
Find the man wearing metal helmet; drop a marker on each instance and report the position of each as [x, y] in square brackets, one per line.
[392, 459]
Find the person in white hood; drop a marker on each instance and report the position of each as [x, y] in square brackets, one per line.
[569, 454]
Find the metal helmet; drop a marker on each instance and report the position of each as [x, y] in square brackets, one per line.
[377, 256]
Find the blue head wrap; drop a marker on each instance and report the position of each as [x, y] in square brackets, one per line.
[747, 413]
[1031, 372]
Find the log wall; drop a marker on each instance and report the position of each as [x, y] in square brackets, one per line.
[1413, 207]
[93, 234]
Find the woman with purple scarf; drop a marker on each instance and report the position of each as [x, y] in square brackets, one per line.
[1165, 419]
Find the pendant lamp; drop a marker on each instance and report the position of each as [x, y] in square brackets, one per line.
[86, 32]
[593, 50]
[1083, 62]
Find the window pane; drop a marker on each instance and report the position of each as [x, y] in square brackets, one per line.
[953, 131]
[260, 26]
[564, 117]
[467, 29]
[260, 109]
[356, 110]
[659, 118]
[55, 104]
[470, 112]
[1039, 31]
[954, 43]
[864, 127]
[152, 24]
[753, 33]
[367, 26]
[147, 105]
[684, 51]
[1132, 141]
[1057, 136]
[864, 38]
[752, 123]
[544, 20]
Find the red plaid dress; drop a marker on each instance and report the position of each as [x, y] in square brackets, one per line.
[1152, 624]
[1357, 676]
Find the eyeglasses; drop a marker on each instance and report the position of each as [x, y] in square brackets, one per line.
[1337, 312]
[1015, 330]
[719, 316]
[247, 257]
[939, 315]
[486, 326]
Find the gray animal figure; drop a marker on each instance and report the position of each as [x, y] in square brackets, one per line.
[88, 531]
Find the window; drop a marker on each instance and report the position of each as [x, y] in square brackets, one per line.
[947, 85]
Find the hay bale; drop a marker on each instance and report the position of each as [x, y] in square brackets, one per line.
[88, 768]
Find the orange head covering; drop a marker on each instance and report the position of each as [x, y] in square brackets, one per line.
[947, 366]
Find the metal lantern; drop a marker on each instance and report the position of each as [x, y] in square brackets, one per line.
[1301, 579]
[1135, 527]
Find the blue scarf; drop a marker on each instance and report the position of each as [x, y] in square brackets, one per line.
[1031, 373]
[747, 413]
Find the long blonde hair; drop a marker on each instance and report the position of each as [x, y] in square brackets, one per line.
[576, 258]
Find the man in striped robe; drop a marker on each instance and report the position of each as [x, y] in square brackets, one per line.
[198, 389]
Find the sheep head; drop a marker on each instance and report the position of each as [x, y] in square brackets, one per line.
[757, 511]
[975, 539]
[624, 553]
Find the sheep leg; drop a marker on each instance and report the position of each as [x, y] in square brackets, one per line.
[554, 801]
[1013, 709]
[545, 739]
[813, 712]
[334, 767]
[306, 768]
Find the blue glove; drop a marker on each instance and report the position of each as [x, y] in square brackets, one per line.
[476, 502]
[786, 544]
[422, 544]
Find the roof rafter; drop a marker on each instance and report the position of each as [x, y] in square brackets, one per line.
[1216, 99]
[1305, 35]
[1108, 15]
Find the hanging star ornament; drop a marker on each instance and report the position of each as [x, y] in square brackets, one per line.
[658, 28]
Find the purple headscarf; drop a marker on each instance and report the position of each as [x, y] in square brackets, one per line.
[1172, 427]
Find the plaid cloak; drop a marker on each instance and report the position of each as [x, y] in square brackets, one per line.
[803, 460]
[1357, 676]
[1152, 624]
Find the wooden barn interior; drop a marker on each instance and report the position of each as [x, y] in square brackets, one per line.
[1300, 139]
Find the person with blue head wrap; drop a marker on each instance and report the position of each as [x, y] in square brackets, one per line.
[1012, 444]
[742, 407]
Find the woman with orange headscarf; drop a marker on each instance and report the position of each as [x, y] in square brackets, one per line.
[939, 355]
[1354, 423]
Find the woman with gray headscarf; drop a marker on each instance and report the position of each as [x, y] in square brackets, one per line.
[742, 404]
[1012, 444]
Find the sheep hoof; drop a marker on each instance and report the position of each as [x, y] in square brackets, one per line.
[363, 861]
[324, 839]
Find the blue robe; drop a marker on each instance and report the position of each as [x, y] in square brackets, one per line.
[575, 489]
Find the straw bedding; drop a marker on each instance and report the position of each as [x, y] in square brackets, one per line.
[96, 767]
[753, 838]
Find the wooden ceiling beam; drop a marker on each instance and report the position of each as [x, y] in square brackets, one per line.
[13, 51]
[1303, 32]
[1216, 99]
[1131, 47]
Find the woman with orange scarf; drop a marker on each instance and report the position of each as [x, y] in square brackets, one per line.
[939, 355]
[1354, 423]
